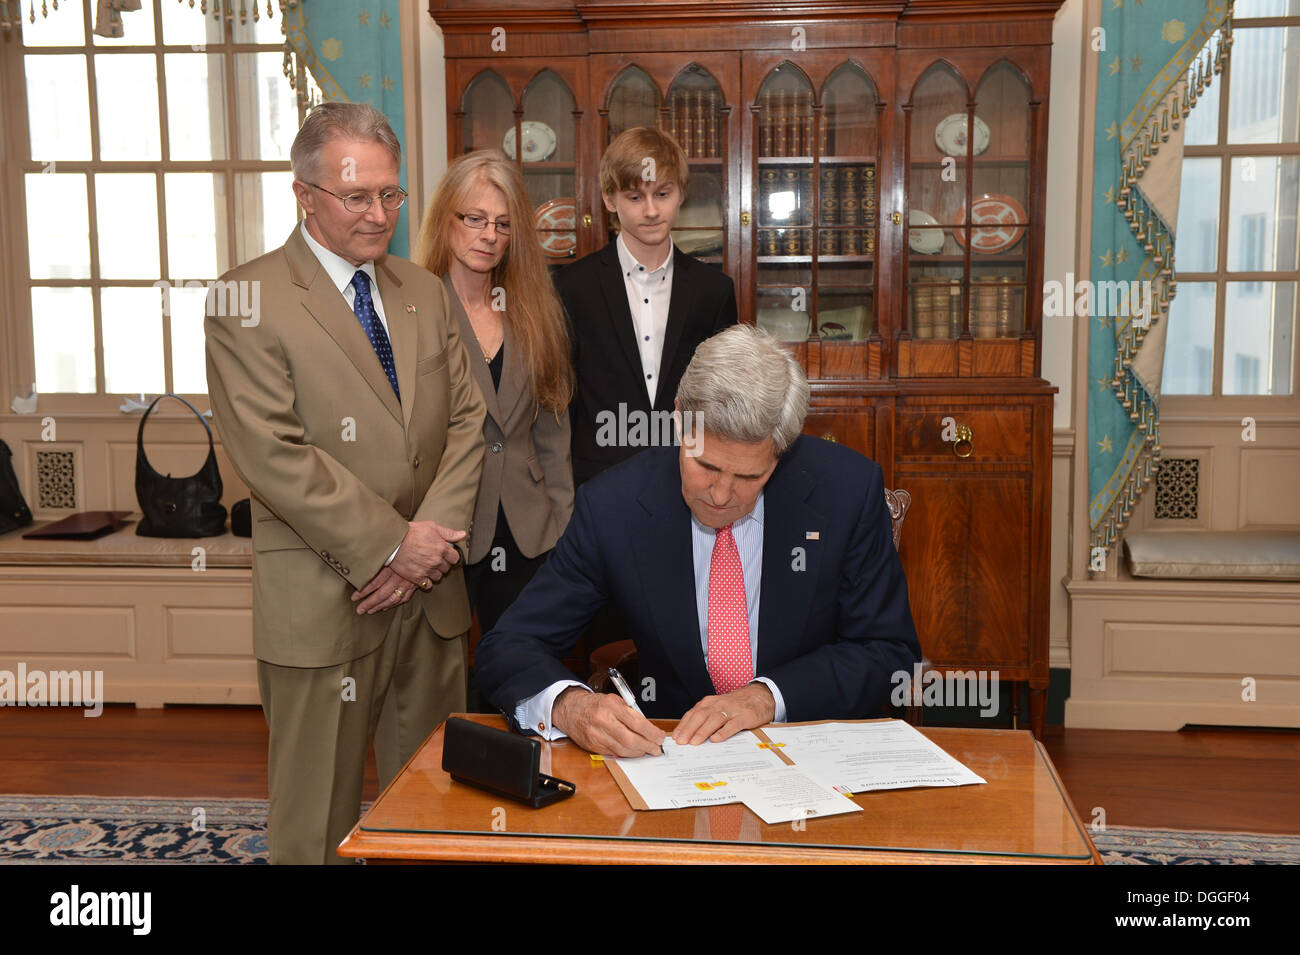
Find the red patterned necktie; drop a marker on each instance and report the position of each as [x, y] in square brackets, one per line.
[730, 664]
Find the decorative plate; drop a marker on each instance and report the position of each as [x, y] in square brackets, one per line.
[925, 241]
[557, 222]
[539, 141]
[999, 220]
[950, 135]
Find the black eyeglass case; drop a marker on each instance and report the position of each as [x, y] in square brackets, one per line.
[501, 762]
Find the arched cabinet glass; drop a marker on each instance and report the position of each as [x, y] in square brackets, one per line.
[696, 116]
[545, 147]
[817, 204]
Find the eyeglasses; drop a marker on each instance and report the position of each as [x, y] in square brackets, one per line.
[479, 223]
[390, 199]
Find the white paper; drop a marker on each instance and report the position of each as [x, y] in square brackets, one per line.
[697, 775]
[861, 757]
[785, 793]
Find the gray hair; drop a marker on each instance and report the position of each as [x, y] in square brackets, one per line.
[744, 385]
[330, 120]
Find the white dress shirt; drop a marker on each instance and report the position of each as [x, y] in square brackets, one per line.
[341, 271]
[649, 292]
[535, 712]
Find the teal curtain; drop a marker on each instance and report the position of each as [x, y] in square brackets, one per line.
[353, 52]
[1157, 57]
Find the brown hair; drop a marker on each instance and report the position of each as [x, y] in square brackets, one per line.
[533, 310]
[624, 161]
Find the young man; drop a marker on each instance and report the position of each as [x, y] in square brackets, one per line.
[638, 307]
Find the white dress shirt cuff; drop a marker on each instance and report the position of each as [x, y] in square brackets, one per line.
[779, 715]
[534, 713]
[392, 555]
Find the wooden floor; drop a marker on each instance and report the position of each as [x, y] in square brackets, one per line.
[1196, 779]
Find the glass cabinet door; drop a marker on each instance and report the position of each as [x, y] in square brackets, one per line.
[968, 249]
[936, 200]
[817, 205]
[999, 210]
[547, 156]
[540, 138]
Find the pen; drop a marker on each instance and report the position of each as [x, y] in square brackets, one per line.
[625, 692]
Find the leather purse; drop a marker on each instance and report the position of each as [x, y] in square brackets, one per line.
[14, 512]
[178, 506]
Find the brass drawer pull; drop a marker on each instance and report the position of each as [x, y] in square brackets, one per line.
[964, 444]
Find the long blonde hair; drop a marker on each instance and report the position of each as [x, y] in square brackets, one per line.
[533, 310]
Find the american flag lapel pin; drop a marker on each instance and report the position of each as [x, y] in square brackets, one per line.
[812, 535]
[411, 309]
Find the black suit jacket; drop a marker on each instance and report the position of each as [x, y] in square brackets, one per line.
[605, 355]
[834, 623]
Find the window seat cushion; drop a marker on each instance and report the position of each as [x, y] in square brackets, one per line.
[1215, 555]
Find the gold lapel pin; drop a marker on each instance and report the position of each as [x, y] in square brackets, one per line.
[411, 309]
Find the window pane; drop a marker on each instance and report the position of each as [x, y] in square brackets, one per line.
[1189, 348]
[265, 212]
[183, 26]
[58, 107]
[1198, 216]
[266, 108]
[126, 205]
[63, 336]
[1263, 204]
[58, 227]
[62, 28]
[1265, 83]
[196, 225]
[126, 85]
[131, 319]
[1247, 9]
[1258, 338]
[189, 371]
[196, 105]
[267, 29]
[137, 27]
[1202, 123]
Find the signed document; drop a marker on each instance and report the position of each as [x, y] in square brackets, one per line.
[753, 767]
[694, 775]
[859, 757]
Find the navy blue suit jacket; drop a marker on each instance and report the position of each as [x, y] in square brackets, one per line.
[834, 620]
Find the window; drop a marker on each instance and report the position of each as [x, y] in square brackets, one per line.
[158, 158]
[1232, 324]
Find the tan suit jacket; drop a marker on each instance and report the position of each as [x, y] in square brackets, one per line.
[335, 464]
[526, 463]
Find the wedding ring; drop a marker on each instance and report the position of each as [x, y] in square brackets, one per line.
[398, 593]
[426, 584]
[725, 714]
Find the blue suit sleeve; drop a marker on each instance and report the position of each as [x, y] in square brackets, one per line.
[520, 657]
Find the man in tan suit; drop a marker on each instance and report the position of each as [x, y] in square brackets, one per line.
[346, 405]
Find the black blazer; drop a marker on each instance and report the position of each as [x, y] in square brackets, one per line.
[833, 628]
[605, 356]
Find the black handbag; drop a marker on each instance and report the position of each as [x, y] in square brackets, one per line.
[14, 512]
[178, 507]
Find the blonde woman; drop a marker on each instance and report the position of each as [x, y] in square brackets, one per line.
[478, 235]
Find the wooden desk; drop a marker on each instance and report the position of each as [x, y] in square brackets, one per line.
[1022, 816]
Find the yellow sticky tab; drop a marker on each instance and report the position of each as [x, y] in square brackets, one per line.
[703, 786]
[596, 758]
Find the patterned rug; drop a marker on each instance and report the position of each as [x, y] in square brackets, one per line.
[92, 829]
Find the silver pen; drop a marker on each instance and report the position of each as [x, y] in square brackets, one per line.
[625, 692]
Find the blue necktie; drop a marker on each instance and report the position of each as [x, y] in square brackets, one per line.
[369, 320]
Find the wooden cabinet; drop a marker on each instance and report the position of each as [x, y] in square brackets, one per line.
[871, 176]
